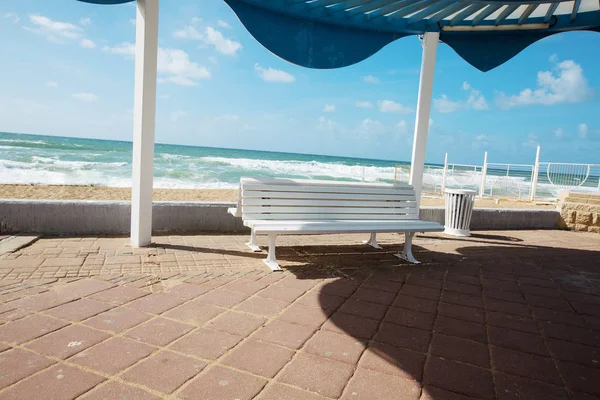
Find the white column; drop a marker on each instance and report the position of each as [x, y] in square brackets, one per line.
[417, 165]
[445, 174]
[483, 175]
[534, 175]
[144, 110]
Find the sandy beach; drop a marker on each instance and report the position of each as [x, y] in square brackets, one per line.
[91, 192]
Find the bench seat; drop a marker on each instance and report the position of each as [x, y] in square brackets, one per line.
[305, 207]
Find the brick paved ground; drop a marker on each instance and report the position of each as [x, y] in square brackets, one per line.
[501, 315]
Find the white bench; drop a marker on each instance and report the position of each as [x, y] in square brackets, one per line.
[306, 207]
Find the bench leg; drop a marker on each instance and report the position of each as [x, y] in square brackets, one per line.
[372, 241]
[271, 261]
[252, 243]
[407, 251]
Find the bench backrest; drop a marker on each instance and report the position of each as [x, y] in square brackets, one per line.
[306, 200]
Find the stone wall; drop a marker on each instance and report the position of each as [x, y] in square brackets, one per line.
[580, 212]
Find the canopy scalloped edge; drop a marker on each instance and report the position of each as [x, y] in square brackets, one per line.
[320, 45]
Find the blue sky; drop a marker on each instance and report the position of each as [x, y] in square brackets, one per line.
[67, 70]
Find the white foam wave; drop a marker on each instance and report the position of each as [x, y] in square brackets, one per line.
[22, 141]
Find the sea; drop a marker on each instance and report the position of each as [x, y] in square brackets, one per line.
[38, 159]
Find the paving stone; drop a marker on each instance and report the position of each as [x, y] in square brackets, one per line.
[548, 302]
[164, 371]
[205, 343]
[119, 295]
[246, 286]
[302, 315]
[159, 331]
[317, 374]
[434, 393]
[59, 382]
[284, 334]
[262, 306]
[83, 287]
[402, 336]
[462, 299]
[416, 303]
[410, 318]
[383, 285]
[67, 341]
[353, 325]
[223, 298]
[79, 310]
[461, 329]
[507, 307]
[510, 387]
[458, 377]
[363, 309]
[116, 390]
[510, 321]
[472, 288]
[342, 288]
[281, 293]
[236, 323]
[43, 301]
[374, 296]
[472, 314]
[194, 313]
[517, 340]
[63, 262]
[574, 352]
[155, 303]
[548, 315]
[17, 364]
[321, 300]
[580, 378]
[259, 358]
[29, 328]
[222, 383]
[505, 295]
[460, 350]
[526, 365]
[420, 292]
[186, 291]
[426, 281]
[571, 333]
[112, 355]
[299, 283]
[393, 361]
[14, 315]
[278, 391]
[117, 320]
[335, 346]
[373, 385]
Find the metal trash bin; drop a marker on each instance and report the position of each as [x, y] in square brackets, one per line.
[459, 208]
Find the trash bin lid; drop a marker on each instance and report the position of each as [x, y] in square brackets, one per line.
[461, 191]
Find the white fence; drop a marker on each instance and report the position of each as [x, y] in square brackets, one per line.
[541, 180]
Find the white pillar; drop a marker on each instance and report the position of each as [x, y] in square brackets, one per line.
[430, 43]
[534, 175]
[483, 175]
[445, 174]
[144, 110]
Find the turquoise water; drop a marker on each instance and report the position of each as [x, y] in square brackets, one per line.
[60, 160]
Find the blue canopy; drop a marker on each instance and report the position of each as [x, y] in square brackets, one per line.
[338, 33]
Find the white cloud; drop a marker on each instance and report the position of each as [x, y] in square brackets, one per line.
[559, 133]
[89, 97]
[583, 130]
[212, 37]
[174, 65]
[326, 124]
[85, 21]
[223, 24]
[196, 20]
[132, 21]
[227, 117]
[54, 31]
[476, 101]
[566, 84]
[481, 141]
[364, 104]
[273, 75]
[51, 84]
[532, 141]
[371, 126]
[402, 127]
[371, 79]
[87, 43]
[12, 16]
[329, 108]
[389, 106]
[177, 115]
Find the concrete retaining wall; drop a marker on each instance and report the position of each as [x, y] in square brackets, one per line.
[112, 217]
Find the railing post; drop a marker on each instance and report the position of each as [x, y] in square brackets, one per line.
[534, 178]
[445, 174]
[483, 175]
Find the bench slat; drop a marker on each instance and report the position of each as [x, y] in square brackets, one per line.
[326, 217]
[325, 203]
[311, 182]
[308, 228]
[327, 210]
[408, 196]
[324, 189]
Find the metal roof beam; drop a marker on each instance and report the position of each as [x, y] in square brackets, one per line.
[417, 6]
[473, 8]
[507, 11]
[575, 9]
[437, 7]
[531, 8]
[489, 10]
[550, 11]
[457, 6]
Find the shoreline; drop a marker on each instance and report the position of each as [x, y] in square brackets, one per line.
[103, 193]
